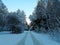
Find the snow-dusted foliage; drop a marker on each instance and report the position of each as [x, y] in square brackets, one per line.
[12, 21]
[16, 21]
[46, 18]
[22, 16]
[38, 18]
[3, 13]
[53, 9]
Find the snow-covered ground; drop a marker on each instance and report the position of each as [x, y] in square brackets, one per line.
[26, 38]
[44, 39]
[10, 39]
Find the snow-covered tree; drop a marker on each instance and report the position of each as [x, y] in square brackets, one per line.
[56, 9]
[22, 16]
[16, 20]
[12, 19]
[46, 15]
[13, 22]
[40, 9]
[53, 21]
[3, 8]
[52, 13]
[49, 13]
[3, 13]
[38, 18]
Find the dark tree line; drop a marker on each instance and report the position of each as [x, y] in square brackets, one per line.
[46, 16]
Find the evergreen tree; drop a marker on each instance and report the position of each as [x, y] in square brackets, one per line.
[3, 13]
[52, 11]
[12, 21]
[40, 9]
[53, 22]
[39, 15]
[12, 18]
[22, 16]
[49, 13]
[16, 21]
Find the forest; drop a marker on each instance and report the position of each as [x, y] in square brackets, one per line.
[45, 18]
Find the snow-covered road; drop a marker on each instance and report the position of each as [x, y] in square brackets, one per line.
[26, 38]
[35, 41]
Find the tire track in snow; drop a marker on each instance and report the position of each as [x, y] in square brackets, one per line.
[35, 41]
[29, 39]
[22, 42]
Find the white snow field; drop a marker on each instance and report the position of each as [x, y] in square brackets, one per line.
[26, 38]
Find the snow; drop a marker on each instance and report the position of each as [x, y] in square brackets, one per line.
[45, 39]
[29, 40]
[11, 39]
[26, 38]
[4, 32]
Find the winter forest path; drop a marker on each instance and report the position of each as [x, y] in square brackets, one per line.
[22, 42]
[35, 41]
[29, 39]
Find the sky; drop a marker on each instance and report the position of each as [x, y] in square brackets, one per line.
[26, 5]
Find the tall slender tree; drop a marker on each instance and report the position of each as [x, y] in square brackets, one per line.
[40, 9]
[39, 15]
[52, 11]
[3, 13]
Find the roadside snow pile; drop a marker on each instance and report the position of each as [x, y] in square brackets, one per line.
[45, 39]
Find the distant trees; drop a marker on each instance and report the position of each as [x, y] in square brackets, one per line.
[12, 21]
[16, 21]
[46, 16]
[22, 16]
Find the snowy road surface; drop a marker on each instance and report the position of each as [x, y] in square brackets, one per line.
[26, 38]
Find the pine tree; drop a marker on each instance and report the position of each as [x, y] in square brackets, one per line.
[21, 15]
[3, 13]
[13, 23]
[52, 10]
[49, 14]
[16, 21]
[40, 9]
[12, 19]
[39, 15]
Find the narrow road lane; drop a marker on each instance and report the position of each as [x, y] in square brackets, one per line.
[22, 42]
[29, 39]
[35, 41]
